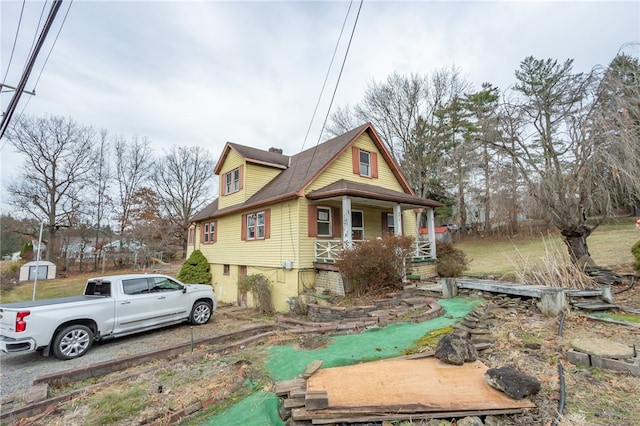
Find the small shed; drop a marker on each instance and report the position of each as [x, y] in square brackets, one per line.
[46, 270]
[442, 234]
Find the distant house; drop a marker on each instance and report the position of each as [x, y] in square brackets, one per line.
[287, 217]
[120, 245]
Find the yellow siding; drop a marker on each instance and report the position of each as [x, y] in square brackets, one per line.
[272, 252]
[342, 168]
[232, 161]
[284, 284]
[256, 177]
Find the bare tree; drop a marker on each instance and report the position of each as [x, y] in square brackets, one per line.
[59, 157]
[134, 164]
[570, 145]
[101, 177]
[183, 180]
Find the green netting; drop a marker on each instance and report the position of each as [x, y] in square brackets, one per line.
[258, 409]
[287, 362]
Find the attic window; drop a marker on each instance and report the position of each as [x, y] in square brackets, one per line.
[365, 163]
[232, 181]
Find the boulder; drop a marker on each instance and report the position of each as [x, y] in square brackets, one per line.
[514, 383]
[455, 349]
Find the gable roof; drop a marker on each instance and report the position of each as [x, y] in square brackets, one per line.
[253, 155]
[302, 170]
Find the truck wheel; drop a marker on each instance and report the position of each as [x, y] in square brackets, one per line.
[200, 313]
[72, 341]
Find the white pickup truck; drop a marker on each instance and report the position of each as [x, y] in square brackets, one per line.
[110, 307]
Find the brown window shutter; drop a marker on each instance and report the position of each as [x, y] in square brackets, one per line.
[385, 223]
[355, 154]
[312, 218]
[241, 176]
[374, 165]
[243, 228]
[222, 187]
[336, 221]
[215, 230]
[202, 233]
[267, 223]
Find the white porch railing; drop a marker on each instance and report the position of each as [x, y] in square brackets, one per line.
[328, 251]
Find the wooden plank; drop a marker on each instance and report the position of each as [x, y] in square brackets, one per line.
[293, 402]
[321, 420]
[316, 399]
[499, 287]
[283, 388]
[414, 385]
[312, 368]
[596, 306]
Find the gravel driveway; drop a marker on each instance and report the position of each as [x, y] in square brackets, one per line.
[17, 370]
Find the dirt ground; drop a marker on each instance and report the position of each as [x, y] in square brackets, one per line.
[524, 339]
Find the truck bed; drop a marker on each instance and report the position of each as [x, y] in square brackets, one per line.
[47, 302]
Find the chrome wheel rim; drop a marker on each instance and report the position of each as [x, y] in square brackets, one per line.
[201, 314]
[75, 343]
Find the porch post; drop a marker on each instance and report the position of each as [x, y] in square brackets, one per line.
[432, 232]
[397, 220]
[418, 239]
[346, 222]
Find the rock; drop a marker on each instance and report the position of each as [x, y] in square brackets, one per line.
[602, 347]
[514, 383]
[470, 421]
[455, 349]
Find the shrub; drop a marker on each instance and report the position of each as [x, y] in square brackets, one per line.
[195, 269]
[635, 250]
[260, 289]
[451, 261]
[373, 265]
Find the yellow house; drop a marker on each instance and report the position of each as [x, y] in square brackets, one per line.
[287, 217]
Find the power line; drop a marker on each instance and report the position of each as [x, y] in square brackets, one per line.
[313, 116]
[15, 41]
[27, 72]
[335, 90]
[52, 46]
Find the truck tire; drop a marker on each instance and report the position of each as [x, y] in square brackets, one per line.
[200, 313]
[72, 341]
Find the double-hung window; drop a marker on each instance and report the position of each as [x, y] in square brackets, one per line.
[391, 225]
[232, 181]
[324, 221]
[209, 232]
[357, 225]
[365, 163]
[256, 226]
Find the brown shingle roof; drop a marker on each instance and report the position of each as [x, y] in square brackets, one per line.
[304, 167]
[254, 155]
[363, 190]
[206, 212]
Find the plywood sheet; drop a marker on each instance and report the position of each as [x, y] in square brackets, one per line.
[411, 385]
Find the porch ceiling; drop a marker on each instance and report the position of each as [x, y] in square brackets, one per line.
[370, 195]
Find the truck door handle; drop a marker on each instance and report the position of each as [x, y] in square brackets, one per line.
[162, 297]
[126, 302]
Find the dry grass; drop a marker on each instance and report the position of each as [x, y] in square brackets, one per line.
[554, 269]
[609, 245]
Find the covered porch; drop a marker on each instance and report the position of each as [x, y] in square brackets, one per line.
[356, 212]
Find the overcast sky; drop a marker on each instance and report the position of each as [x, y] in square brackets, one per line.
[206, 72]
